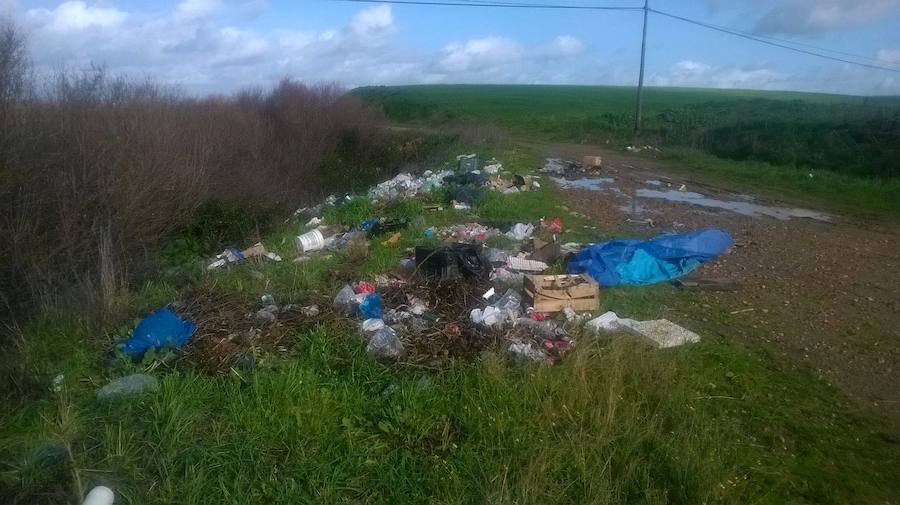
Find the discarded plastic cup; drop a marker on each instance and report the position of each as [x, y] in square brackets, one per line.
[311, 241]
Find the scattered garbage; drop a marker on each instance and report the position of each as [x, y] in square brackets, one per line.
[347, 300]
[162, 328]
[546, 251]
[466, 162]
[370, 306]
[661, 332]
[385, 344]
[469, 232]
[267, 314]
[235, 256]
[311, 241]
[637, 149]
[310, 311]
[312, 223]
[520, 231]
[568, 168]
[552, 225]
[506, 310]
[521, 352]
[100, 495]
[406, 185]
[493, 168]
[364, 287]
[467, 195]
[474, 179]
[592, 162]
[642, 262]
[129, 385]
[448, 262]
[521, 263]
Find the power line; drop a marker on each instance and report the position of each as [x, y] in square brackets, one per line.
[500, 4]
[771, 43]
[796, 43]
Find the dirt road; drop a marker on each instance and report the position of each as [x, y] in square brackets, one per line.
[822, 289]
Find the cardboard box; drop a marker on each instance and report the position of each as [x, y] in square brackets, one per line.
[553, 293]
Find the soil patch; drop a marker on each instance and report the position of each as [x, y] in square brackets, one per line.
[825, 293]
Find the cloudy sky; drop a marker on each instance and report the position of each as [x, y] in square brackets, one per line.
[218, 46]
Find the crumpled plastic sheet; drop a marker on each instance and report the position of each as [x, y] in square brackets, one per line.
[520, 231]
[159, 329]
[382, 340]
[662, 332]
[642, 262]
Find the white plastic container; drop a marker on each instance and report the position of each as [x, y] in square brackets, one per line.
[100, 495]
[311, 241]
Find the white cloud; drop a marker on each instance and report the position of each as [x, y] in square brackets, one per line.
[478, 54]
[192, 46]
[811, 16]
[696, 73]
[372, 21]
[563, 46]
[889, 57]
[76, 16]
[194, 10]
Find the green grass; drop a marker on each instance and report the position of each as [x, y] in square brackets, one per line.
[767, 138]
[615, 422]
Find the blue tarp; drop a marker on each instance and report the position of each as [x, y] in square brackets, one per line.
[160, 329]
[650, 261]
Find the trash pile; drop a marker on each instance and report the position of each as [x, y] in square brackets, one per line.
[406, 185]
[486, 285]
[591, 165]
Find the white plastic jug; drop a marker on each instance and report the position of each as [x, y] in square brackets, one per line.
[311, 241]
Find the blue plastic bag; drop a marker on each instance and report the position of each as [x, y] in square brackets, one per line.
[160, 329]
[370, 308]
[642, 262]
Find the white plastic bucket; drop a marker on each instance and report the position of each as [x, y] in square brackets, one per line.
[311, 241]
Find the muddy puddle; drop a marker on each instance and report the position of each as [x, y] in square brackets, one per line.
[588, 183]
[744, 206]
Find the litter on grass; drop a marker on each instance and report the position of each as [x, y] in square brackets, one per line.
[229, 256]
[129, 385]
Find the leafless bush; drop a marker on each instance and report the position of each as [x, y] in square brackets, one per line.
[96, 175]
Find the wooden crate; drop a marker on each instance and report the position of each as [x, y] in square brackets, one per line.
[553, 293]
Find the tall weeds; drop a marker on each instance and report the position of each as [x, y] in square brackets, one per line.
[97, 171]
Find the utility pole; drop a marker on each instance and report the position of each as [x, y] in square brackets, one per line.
[640, 90]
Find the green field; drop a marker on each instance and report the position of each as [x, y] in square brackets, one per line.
[766, 139]
[615, 422]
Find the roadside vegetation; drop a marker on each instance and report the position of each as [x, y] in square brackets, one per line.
[116, 193]
[614, 422]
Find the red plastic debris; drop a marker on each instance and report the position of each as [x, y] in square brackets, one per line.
[537, 316]
[365, 287]
[552, 225]
[454, 328]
